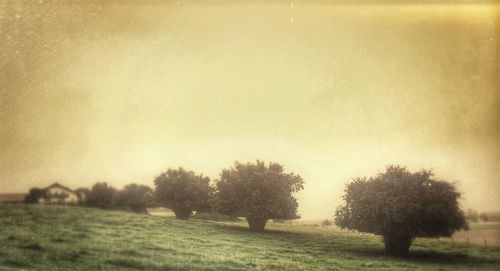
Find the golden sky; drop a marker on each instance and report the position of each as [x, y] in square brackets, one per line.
[119, 91]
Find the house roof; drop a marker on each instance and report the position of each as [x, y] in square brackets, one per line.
[56, 184]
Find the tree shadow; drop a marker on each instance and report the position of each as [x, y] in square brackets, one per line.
[426, 257]
[240, 228]
[334, 244]
[290, 236]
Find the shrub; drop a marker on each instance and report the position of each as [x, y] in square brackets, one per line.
[326, 223]
[484, 217]
[182, 191]
[400, 206]
[258, 192]
[134, 197]
[471, 215]
[101, 196]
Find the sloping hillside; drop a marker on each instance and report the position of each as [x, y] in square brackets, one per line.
[71, 238]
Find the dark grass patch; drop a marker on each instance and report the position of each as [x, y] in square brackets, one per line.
[130, 252]
[60, 240]
[267, 232]
[215, 217]
[130, 263]
[30, 245]
[427, 257]
[68, 256]
[448, 258]
[79, 235]
[165, 268]
[14, 263]
[169, 267]
[185, 254]
[159, 248]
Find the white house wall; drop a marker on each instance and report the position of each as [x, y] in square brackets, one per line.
[51, 192]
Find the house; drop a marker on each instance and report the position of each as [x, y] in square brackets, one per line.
[82, 194]
[59, 194]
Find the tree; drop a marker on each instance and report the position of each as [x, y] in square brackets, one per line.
[134, 197]
[82, 194]
[258, 192]
[101, 196]
[492, 216]
[401, 206]
[182, 191]
[34, 195]
[484, 217]
[326, 223]
[471, 215]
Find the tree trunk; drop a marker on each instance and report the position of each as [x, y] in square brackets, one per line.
[256, 224]
[182, 214]
[397, 245]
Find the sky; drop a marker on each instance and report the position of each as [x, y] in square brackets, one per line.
[120, 91]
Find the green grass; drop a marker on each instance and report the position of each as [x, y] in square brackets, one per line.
[34, 237]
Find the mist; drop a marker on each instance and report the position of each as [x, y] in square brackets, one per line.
[121, 91]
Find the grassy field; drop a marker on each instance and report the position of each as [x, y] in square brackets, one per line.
[484, 234]
[71, 238]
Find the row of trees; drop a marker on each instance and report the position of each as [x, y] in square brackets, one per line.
[474, 216]
[396, 204]
[133, 197]
[256, 191]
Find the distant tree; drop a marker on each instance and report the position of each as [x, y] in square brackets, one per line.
[400, 206]
[490, 216]
[34, 195]
[484, 217]
[258, 192]
[134, 197]
[471, 215]
[83, 194]
[101, 196]
[326, 223]
[182, 191]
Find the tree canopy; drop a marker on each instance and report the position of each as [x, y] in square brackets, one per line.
[400, 206]
[101, 196]
[259, 192]
[134, 197]
[326, 223]
[182, 191]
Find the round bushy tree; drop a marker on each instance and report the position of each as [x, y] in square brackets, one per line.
[101, 196]
[258, 192]
[182, 191]
[326, 223]
[134, 197]
[401, 206]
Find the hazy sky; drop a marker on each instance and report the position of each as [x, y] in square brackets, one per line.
[119, 91]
